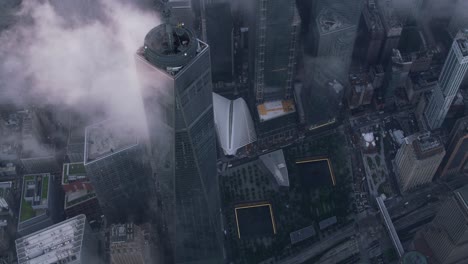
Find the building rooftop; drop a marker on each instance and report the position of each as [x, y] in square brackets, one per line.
[122, 233]
[34, 199]
[329, 21]
[392, 23]
[462, 42]
[5, 191]
[274, 109]
[426, 146]
[276, 164]
[372, 17]
[302, 234]
[327, 222]
[108, 137]
[170, 47]
[79, 196]
[60, 243]
[413, 257]
[234, 124]
[73, 172]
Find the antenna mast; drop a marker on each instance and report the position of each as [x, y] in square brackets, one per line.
[165, 8]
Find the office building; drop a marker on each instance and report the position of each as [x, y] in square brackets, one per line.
[361, 90]
[447, 234]
[453, 72]
[334, 36]
[117, 167]
[417, 161]
[373, 33]
[419, 83]
[456, 160]
[38, 208]
[219, 30]
[397, 74]
[393, 27]
[68, 242]
[80, 197]
[274, 36]
[175, 79]
[127, 244]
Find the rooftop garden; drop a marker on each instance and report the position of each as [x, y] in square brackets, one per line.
[27, 212]
[45, 187]
[76, 168]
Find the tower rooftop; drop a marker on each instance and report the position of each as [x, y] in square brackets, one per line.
[170, 47]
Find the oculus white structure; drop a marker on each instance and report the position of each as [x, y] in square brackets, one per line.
[234, 124]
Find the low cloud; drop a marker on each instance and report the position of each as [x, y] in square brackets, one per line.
[83, 61]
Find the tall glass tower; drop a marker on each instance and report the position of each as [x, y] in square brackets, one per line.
[450, 79]
[275, 30]
[175, 76]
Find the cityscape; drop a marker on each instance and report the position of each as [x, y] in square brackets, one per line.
[234, 131]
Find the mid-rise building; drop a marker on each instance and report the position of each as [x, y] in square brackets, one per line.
[80, 197]
[447, 234]
[128, 245]
[397, 74]
[361, 90]
[118, 169]
[450, 79]
[37, 209]
[68, 242]
[6, 214]
[175, 76]
[417, 161]
[419, 83]
[456, 160]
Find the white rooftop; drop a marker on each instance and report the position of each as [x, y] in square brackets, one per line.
[275, 163]
[54, 244]
[274, 109]
[234, 124]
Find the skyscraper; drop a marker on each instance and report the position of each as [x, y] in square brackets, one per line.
[69, 242]
[447, 234]
[115, 164]
[453, 72]
[456, 160]
[417, 161]
[175, 77]
[393, 27]
[274, 36]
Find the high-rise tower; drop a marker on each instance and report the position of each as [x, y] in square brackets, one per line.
[456, 160]
[175, 77]
[274, 36]
[453, 72]
[115, 164]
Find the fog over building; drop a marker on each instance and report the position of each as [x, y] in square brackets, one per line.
[175, 75]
